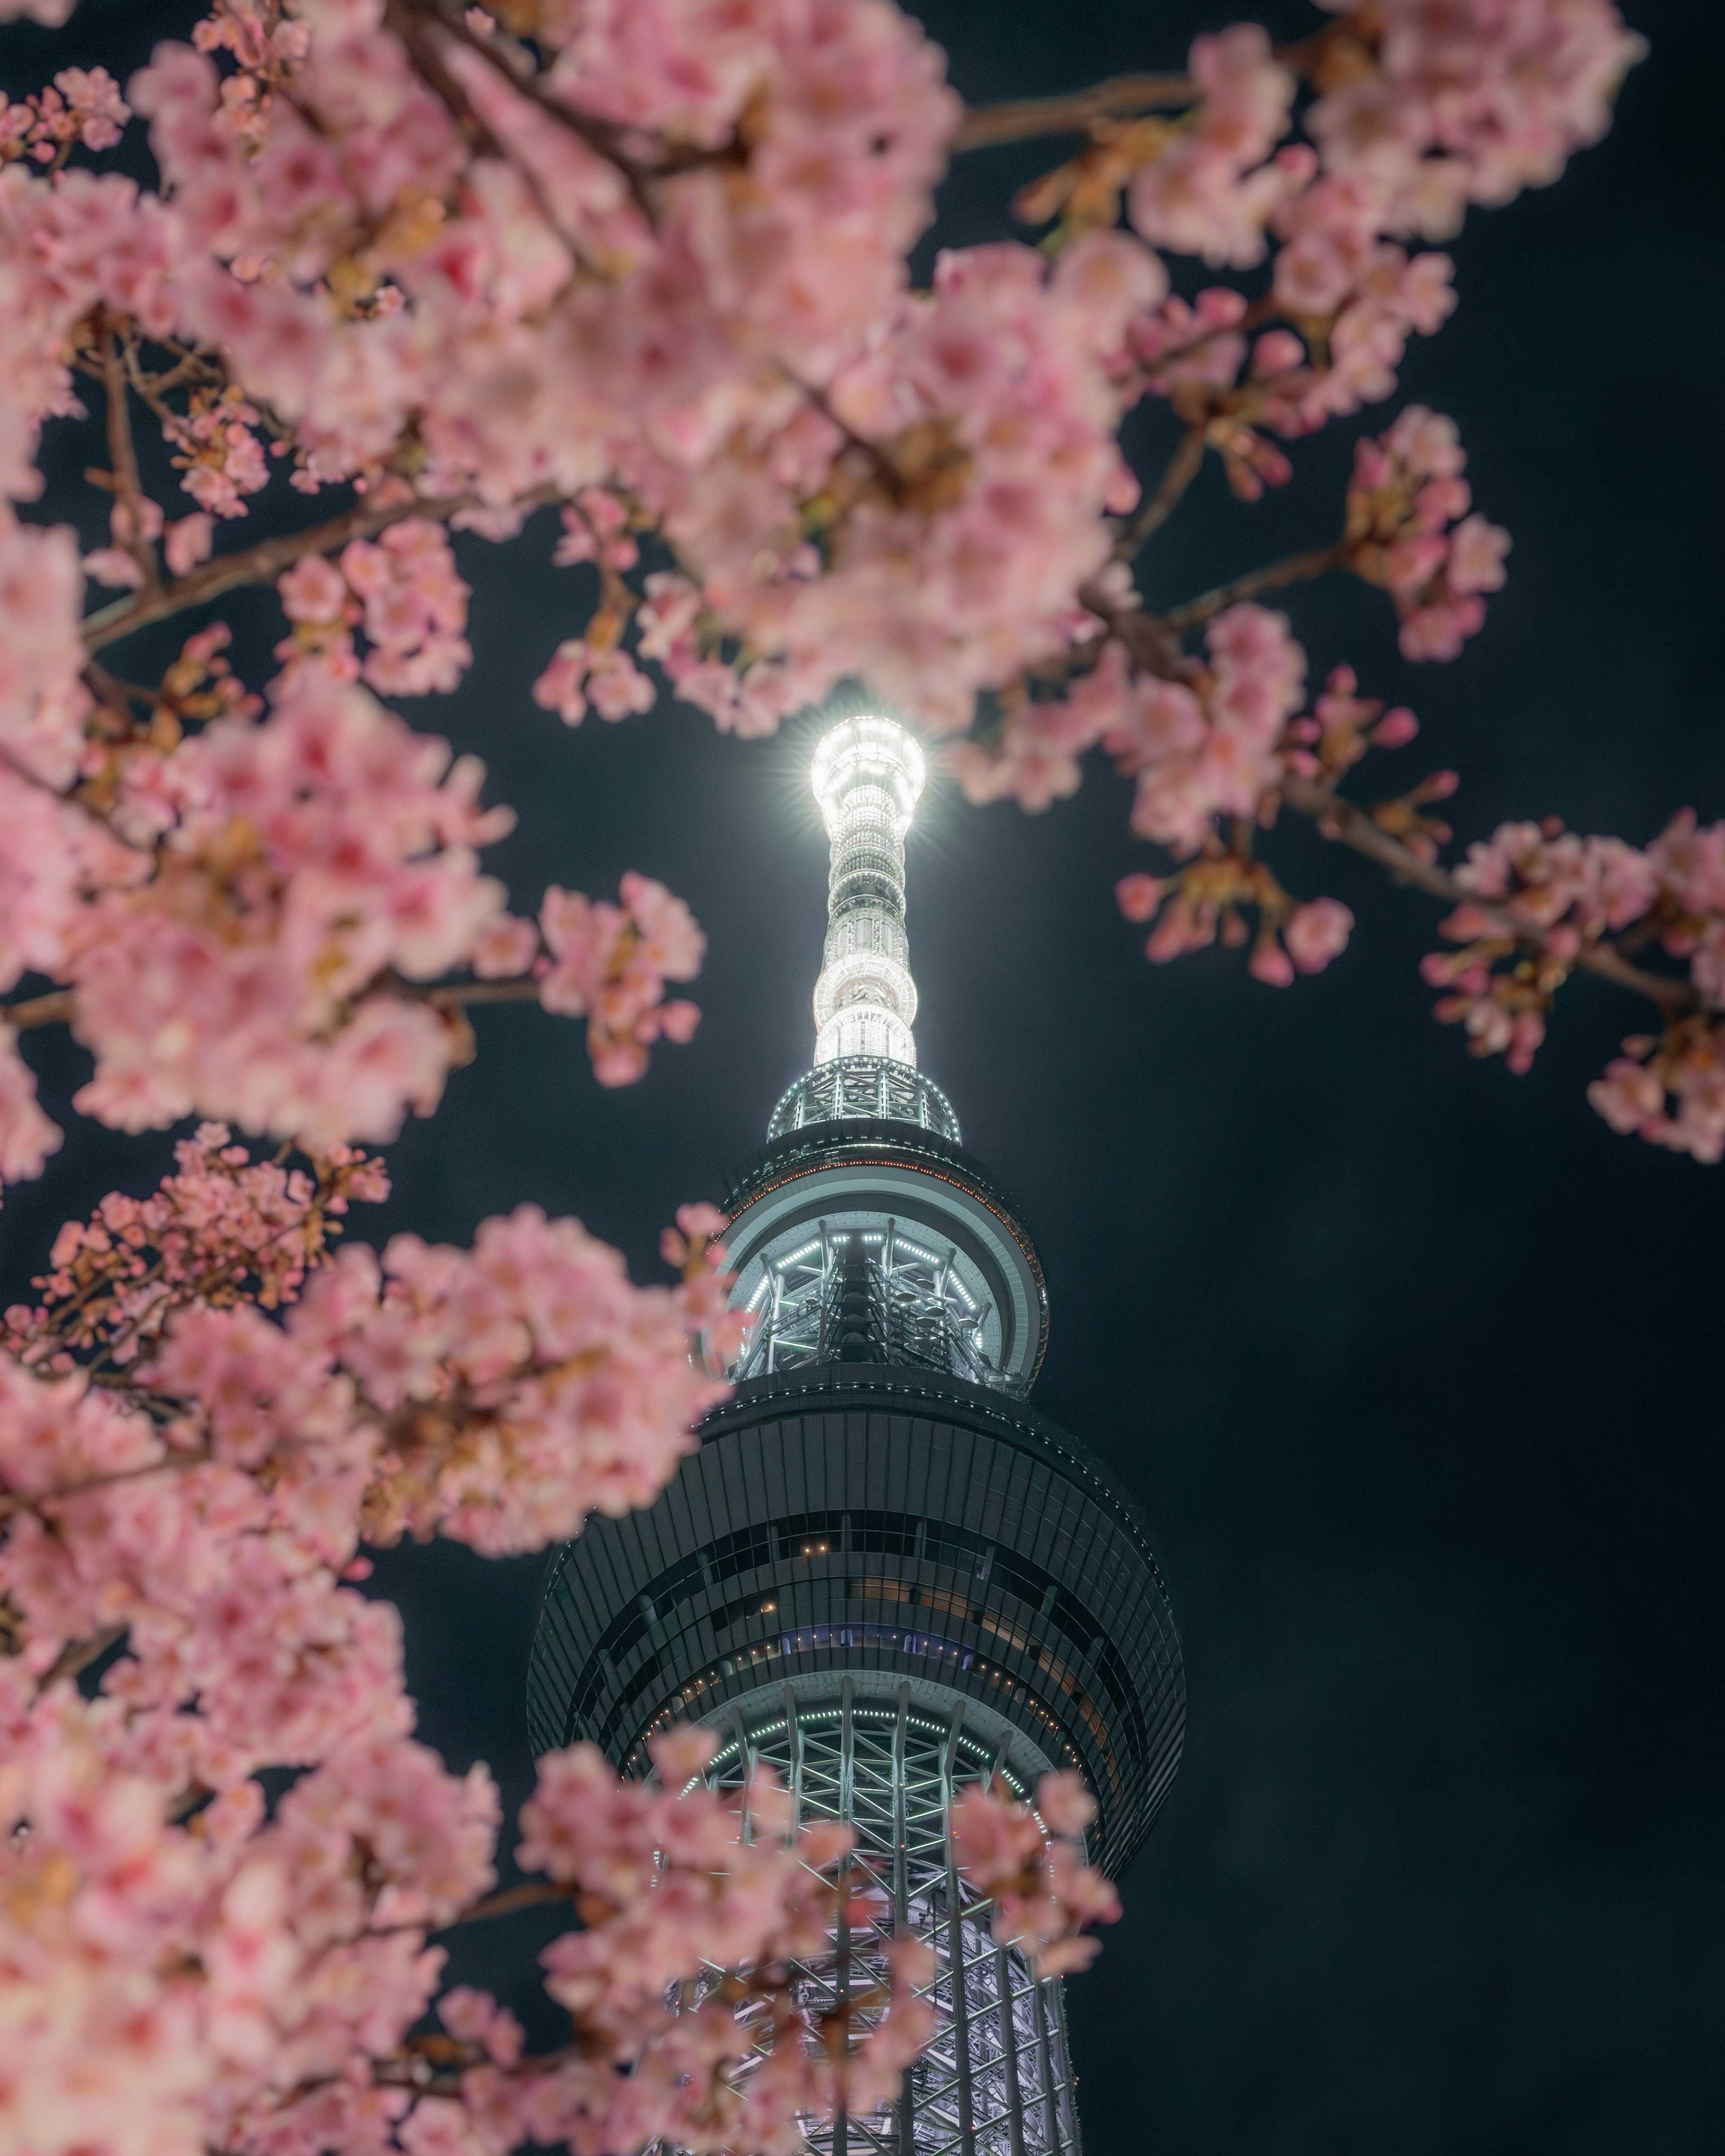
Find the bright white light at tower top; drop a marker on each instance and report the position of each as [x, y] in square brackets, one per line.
[873, 751]
[868, 772]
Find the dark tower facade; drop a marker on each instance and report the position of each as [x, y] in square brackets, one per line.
[883, 1571]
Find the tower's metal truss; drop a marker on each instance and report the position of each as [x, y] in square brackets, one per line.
[996, 2080]
[877, 1294]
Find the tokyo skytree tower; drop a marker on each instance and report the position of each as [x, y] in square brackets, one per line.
[883, 1571]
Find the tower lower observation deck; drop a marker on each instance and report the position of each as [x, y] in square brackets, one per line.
[883, 1571]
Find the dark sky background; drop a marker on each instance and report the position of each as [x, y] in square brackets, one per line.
[1413, 1364]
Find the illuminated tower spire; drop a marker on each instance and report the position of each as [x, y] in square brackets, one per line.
[868, 773]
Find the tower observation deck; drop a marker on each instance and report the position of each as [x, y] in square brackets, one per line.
[883, 1571]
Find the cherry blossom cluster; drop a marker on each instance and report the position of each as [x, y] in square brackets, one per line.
[182, 1467]
[221, 1230]
[674, 1883]
[1356, 300]
[609, 964]
[523, 1384]
[1030, 1860]
[650, 263]
[243, 929]
[186, 1478]
[82, 107]
[1203, 745]
[927, 522]
[284, 869]
[402, 590]
[184, 1971]
[1463, 105]
[1209, 752]
[1410, 529]
[1541, 901]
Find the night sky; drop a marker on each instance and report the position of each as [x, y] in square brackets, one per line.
[1413, 1365]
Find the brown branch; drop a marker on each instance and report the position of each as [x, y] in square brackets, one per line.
[1022, 119]
[535, 1894]
[77, 1656]
[128, 487]
[1150, 645]
[22, 1500]
[411, 25]
[1354, 827]
[601, 137]
[54, 1009]
[263, 563]
[59, 1006]
[1182, 468]
[1149, 641]
[1292, 569]
[524, 990]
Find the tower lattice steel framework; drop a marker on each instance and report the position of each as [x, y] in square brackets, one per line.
[883, 1571]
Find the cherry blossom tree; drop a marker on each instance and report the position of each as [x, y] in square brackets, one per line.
[645, 261]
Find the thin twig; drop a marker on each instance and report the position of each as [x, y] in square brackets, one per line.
[535, 1894]
[128, 487]
[54, 1009]
[1149, 641]
[1022, 119]
[601, 137]
[413, 28]
[523, 991]
[1183, 469]
[77, 1656]
[1292, 569]
[1149, 644]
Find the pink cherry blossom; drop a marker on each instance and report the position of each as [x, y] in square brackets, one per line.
[1472, 103]
[27, 1136]
[582, 674]
[225, 983]
[1671, 1092]
[1406, 494]
[187, 542]
[1317, 931]
[610, 963]
[42, 702]
[1044, 1892]
[1208, 192]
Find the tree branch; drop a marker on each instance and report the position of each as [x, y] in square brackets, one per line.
[1149, 644]
[535, 1894]
[526, 990]
[54, 1009]
[603, 138]
[1023, 119]
[1292, 569]
[264, 563]
[77, 1656]
[1353, 826]
[24, 1501]
[128, 488]
[59, 1006]
[1182, 468]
